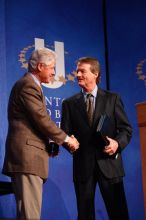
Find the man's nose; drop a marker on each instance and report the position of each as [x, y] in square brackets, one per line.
[53, 72]
[79, 73]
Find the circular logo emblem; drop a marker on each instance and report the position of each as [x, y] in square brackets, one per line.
[140, 70]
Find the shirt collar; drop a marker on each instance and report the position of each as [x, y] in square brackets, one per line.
[94, 92]
[36, 80]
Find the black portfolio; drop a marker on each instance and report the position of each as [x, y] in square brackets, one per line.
[103, 129]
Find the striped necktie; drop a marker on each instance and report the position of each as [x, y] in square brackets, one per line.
[89, 107]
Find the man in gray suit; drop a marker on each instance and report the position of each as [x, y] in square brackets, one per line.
[92, 163]
[30, 128]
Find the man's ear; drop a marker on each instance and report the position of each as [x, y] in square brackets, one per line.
[40, 66]
[96, 75]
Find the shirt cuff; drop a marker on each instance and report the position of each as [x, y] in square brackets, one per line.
[66, 139]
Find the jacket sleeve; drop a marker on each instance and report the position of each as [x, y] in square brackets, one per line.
[32, 102]
[66, 124]
[124, 129]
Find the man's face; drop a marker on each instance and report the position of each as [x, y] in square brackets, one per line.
[86, 79]
[46, 72]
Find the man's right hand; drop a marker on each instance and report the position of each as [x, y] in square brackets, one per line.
[72, 143]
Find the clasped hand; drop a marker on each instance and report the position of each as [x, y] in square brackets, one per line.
[112, 147]
[73, 144]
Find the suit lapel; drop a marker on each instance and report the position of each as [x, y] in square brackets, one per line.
[99, 106]
[81, 106]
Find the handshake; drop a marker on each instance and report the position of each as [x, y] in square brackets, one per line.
[72, 143]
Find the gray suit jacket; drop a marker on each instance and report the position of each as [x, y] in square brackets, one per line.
[29, 130]
[74, 121]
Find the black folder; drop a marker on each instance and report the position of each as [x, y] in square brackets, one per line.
[103, 129]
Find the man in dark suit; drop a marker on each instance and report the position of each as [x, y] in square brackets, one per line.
[30, 128]
[91, 163]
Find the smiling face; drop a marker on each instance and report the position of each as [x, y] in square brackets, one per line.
[86, 79]
[46, 73]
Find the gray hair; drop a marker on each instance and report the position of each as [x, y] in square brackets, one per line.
[41, 55]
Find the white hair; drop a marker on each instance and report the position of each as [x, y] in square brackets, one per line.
[41, 55]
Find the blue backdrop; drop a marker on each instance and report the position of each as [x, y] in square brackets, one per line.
[127, 67]
[79, 27]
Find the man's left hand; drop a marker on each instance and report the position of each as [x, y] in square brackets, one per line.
[112, 147]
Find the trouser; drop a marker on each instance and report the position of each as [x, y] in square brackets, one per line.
[28, 195]
[112, 192]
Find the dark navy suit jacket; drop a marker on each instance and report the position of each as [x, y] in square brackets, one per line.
[74, 121]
